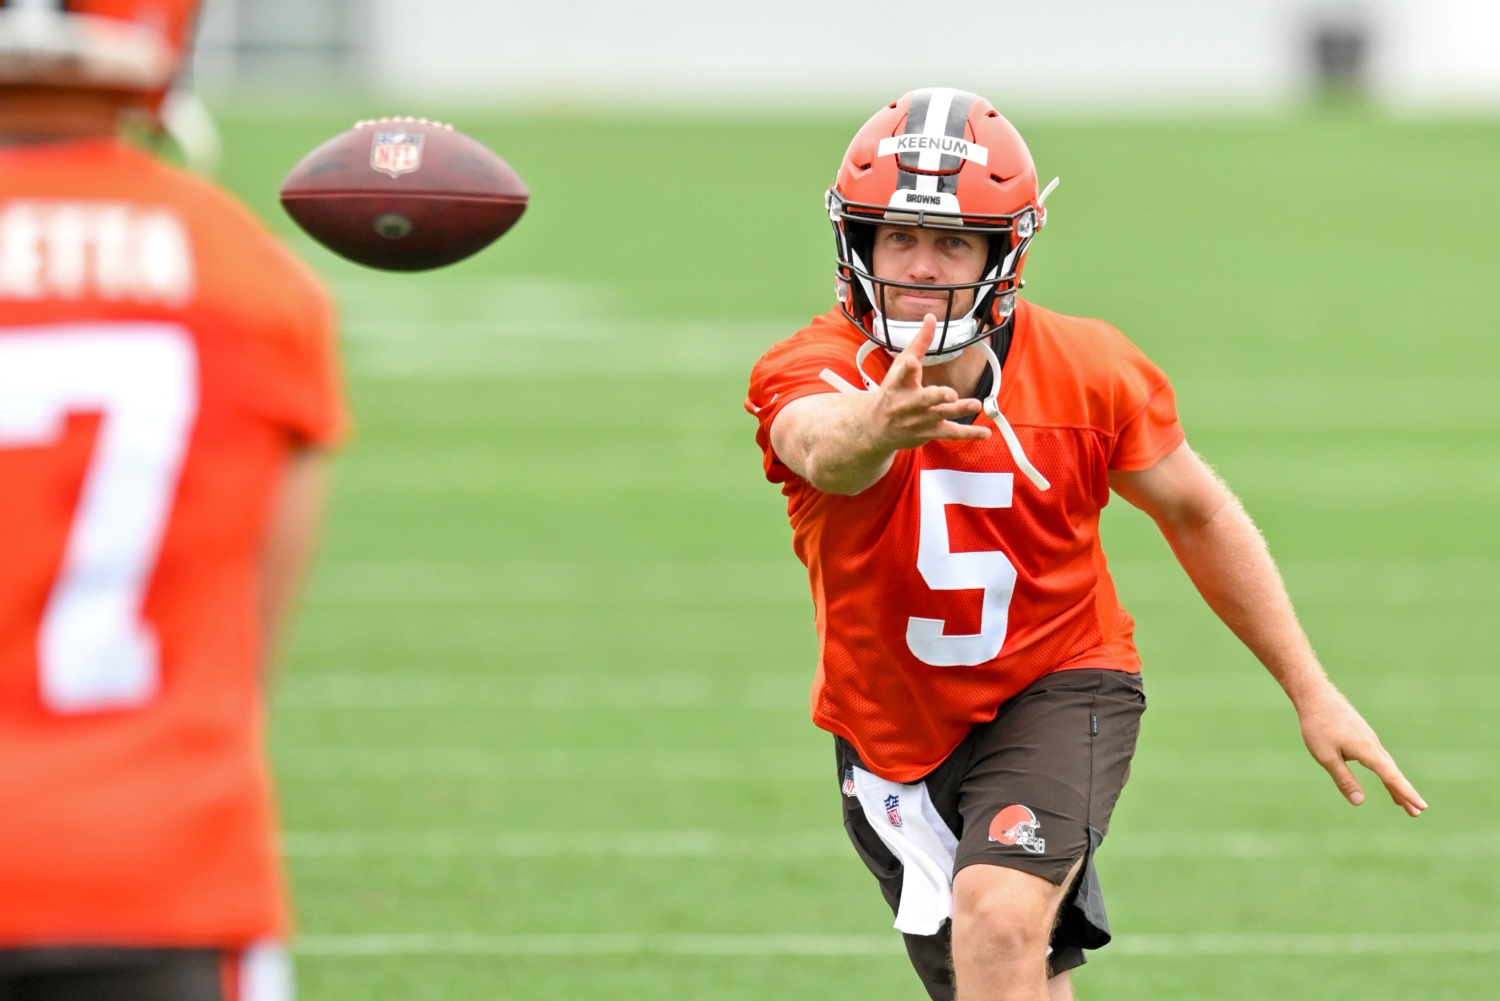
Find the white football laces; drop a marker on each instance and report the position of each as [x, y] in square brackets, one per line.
[991, 404]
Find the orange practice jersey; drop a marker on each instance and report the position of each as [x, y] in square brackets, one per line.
[953, 582]
[160, 354]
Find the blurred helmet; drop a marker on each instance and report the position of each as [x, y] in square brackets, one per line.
[943, 159]
[129, 45]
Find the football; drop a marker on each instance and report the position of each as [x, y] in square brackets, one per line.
[403, 194]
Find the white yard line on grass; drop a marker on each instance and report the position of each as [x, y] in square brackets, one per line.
[570, 844]
[485, 689]
[714, 764]
[408, 690]
[598, 945]
[1165, 946]
[458, 583]
[1355, 584]
[478, 349]
[1230, 845]
[1351, 583]
[1359, 943]
[725, 766]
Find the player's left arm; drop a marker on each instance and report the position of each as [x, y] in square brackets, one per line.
[1226, 557]
[291, 534]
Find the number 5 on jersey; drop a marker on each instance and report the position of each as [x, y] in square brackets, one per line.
[94, 650]
[945, 570]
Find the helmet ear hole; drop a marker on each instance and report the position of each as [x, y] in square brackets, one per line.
[861, 239]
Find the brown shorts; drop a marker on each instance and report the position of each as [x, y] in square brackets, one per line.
[1033, 790]
[119, 974]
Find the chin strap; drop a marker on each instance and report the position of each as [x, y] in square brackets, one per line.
[865, 350]
[991, 406]
[992, 410]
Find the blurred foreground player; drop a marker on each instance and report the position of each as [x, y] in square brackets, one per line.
[167, 381]
[978, 673]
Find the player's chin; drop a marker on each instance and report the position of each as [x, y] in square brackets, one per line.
[915, 309]
[919, 312]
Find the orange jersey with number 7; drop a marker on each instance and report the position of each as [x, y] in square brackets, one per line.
[954, 582]
[160, 355]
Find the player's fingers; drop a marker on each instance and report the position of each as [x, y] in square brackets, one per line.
[920, 343]
[1344, 779]
[948, 431]
[937, 396]
[906, 370]
[905, 373]
[1403, 792]
[954, 410]
[919, 401]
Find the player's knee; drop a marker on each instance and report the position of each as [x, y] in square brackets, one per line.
[1003, 911]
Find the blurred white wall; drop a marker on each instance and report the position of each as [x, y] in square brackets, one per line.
[287, 42]
[812, 52]
[1441, 51]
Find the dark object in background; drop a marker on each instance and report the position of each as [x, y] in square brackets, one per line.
[403, 194]
[1341, 56]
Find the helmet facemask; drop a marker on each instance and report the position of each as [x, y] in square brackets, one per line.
[862, 295]
[944, 159]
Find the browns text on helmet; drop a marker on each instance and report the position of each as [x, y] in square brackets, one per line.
[939, 158]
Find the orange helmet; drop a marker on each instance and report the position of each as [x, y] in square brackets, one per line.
[129, 45]
[945, 159]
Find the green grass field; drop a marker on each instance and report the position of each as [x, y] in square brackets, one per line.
[542, 730]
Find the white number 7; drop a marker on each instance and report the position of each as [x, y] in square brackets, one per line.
[93, 649]
[944, 570]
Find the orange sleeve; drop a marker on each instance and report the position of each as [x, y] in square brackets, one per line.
[1150, 430]
[285, 342]
[297, 384]
[789, 371]
[318, 415]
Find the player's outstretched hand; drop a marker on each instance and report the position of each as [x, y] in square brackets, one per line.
[1336, 733]
[908, 414]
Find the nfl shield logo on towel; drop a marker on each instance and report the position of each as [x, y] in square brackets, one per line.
[849, 783]
[396, 153]
[893, 810]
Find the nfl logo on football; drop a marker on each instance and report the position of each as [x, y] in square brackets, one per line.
[396, 153]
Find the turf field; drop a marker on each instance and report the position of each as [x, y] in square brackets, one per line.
[542, 729]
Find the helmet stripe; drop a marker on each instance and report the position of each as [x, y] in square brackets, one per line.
[926, 115]
[937, 112]
[955, 126]
[958, 120]
[936, 124]
[916, 119]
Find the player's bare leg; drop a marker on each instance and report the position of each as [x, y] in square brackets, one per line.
[1002, 924]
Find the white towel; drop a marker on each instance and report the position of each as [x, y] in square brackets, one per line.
[908, 823]
[266, 973]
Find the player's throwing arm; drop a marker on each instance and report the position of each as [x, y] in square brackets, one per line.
[841, 444]
[946, 448]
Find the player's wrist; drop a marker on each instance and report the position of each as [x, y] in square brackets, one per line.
[875, 430]
[1310, 690]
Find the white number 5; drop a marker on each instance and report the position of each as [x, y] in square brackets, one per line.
[94, 650]
[944, 570]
